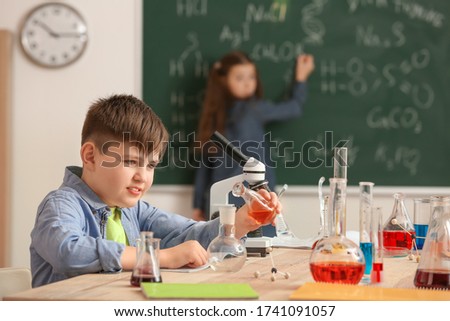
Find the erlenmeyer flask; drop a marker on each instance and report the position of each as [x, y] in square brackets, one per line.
[226, 253]
[434, 266]
[258, 207]
[398, 231]
[147, 263]
[337, 259]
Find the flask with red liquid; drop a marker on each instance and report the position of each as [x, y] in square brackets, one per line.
[259, 208]
[398, 231]
[337, 259]
[433, 270]
[147, 263]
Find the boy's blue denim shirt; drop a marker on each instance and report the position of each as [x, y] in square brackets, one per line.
[69, 236]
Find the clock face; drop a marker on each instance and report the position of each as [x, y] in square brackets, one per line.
[54, 35]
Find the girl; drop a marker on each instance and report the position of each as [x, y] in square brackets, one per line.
[233, 105]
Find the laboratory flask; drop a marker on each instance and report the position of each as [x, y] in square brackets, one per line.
[433, 270]
[147, 262]
[225, 252]
[259, 208]
[398, 230]
[337, 259]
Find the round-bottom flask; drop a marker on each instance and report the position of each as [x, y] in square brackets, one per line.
[226, 253]
[337, 259]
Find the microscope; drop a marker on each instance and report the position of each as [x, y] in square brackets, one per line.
[253, 172]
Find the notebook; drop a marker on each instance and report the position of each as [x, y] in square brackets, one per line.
[198, 291]
[339, 292]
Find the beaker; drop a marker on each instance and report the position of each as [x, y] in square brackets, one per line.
[259, 208]
[337, 259]
[422, 211]
[398, 231]
[376, 238]
[433, 270]
[365, 216]
[225, 252]
[147, 263]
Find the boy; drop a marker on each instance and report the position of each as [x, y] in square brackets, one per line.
[91, 222]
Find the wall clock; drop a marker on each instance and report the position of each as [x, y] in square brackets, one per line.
[54, 35]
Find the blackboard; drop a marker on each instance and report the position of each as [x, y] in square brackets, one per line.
[381, 84]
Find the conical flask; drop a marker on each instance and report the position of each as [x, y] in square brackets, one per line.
[398, 231]
[259, 208]
[225, 252]
[434, 266]
[147, 263]
[337, 259]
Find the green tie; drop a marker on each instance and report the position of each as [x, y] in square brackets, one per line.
[114, 228]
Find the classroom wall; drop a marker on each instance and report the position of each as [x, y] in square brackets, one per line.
[48, 108]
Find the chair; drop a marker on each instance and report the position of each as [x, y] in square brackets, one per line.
[13, 280]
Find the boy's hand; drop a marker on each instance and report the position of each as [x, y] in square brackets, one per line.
[189, 254]
[244, 223]
[305, 66]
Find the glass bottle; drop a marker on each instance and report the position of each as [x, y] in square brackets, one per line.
[376, 238]
[259, 208]
[337, 259]
[147, 263]
[365, 216]
[398, 231]
[433, 270]
[225, 252]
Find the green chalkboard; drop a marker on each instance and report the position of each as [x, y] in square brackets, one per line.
[381, 84]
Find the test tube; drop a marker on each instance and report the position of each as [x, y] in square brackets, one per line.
[365, 216]
[376, 236]
[340, 162]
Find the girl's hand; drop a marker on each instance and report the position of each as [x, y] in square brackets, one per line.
[304, 67]
[244, 223]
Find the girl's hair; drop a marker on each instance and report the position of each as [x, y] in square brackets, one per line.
[217, 96]
[124, 118]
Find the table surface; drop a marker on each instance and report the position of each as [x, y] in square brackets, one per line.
[398, 273]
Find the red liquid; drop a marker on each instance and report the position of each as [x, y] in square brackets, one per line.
[432, 279]
[376, 276]
[397, 242]
[136, 279]
[262, 216]
[337, 272]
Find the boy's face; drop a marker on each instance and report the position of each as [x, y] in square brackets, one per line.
[241, 81]
[122, 174]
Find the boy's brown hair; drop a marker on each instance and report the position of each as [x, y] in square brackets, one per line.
[124, 118]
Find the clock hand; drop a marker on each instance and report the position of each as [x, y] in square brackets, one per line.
[46, 28]
[71, 34]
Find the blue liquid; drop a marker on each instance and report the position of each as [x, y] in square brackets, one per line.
[366, 248]
[421, 230]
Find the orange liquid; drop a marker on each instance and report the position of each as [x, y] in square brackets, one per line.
[262, 216]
